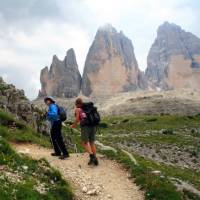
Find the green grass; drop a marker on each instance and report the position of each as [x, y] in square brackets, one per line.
[179, 131]
[16, 131]
[156, 187]
[72, 136]
[178, 140]
[187, 175]
[153, 131]
[24, 136]
[144, 123]
[31, 174]
[36, 173]
[3, 87]
[116, 130]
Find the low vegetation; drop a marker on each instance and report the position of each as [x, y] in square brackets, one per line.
[174, 132]
[22, 177]
[157, 177]
[141, 135]
[16, 131]
[145, 123]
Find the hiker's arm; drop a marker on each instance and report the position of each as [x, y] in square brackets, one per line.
[77, 119]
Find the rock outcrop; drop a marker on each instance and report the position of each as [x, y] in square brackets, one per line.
[111, 66]
[14, 101]
[174, 59]
[63, 79]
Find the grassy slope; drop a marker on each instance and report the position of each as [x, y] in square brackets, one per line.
[22, 177]
[180, 131]
[17, 131]
[156, 187]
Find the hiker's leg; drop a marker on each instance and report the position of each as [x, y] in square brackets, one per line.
[87, 147]
[85, 139]
[92, 135]
[59, 138]
[93, 148]
[54, 140]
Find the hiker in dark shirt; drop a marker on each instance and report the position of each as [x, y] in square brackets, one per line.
[87, 132]
[56, 126]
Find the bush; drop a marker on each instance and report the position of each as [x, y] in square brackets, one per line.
[3, 87]
[103, 125]
[151, 119]
[125, 120]
[191, 196]
[6, 119]
[167, 132]
[195, 132]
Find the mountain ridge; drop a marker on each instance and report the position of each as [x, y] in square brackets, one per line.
[53, 80]
[111, 66]
[173, 59]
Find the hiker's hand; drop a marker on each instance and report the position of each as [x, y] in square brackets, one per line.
[72, 126]
[69, 123]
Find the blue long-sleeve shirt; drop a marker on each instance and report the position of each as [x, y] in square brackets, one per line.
[52, 114]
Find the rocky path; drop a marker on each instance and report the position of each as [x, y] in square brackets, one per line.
[105, 182]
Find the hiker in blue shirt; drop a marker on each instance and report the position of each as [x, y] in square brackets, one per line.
[52, 114]
[56, 126]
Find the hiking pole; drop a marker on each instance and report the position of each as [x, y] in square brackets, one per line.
[75, 146]
[48, 128]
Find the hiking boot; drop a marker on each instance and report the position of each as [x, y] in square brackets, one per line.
[95, 161]
[91, 161]
[63, 157]
[55, 154]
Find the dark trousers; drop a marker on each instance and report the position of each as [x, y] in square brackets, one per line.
[57, 139]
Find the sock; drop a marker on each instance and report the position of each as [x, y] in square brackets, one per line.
[91, 155]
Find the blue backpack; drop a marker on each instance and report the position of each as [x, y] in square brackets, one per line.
[62, 112]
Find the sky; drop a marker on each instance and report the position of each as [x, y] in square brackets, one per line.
[32, 31]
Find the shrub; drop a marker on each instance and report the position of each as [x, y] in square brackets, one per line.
[103, 125]
[167, 132]
[151, 119]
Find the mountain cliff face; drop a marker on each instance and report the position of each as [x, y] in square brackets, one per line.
[63, 79]
[111, 66]
[174, 59]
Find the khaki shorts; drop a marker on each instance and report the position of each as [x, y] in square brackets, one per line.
[88, 133]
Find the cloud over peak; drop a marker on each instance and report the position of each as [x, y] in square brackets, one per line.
[33, 31]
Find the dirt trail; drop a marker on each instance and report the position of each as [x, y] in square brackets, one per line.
[105, 182]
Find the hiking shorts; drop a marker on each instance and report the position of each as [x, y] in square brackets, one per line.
[88, 133]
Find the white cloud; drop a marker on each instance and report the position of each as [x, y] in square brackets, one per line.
[30, 53]
[28, 43]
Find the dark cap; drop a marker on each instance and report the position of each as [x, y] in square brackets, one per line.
[49, 98]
